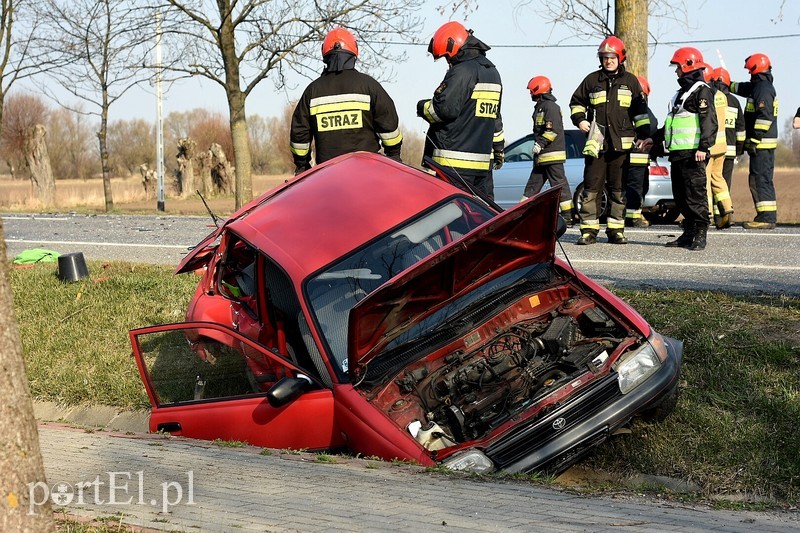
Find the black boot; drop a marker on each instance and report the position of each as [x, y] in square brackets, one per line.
[699, 241]
[686, 238]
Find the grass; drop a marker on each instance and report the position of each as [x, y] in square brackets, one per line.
[733, 433]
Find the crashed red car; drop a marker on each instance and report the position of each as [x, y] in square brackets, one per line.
[368, 305]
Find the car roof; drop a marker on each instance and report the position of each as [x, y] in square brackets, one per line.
[336, 207]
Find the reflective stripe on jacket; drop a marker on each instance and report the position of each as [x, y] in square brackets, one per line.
[761, 110]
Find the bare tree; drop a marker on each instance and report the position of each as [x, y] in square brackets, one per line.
[238, 44]
[73, 152]
[21, 111]
[20, 455]
[131, 143]
[593, 19]
[39, 164]
[97, 48]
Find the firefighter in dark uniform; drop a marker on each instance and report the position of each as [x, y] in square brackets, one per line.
[549, 147]
[734, 124]
[638, 182]
[761, 138]
[609, 101]
[688, 134]
[343, 110]
[465, 136]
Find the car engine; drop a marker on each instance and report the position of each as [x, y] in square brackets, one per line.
[462, 395]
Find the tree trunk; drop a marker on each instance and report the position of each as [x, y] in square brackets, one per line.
[204, 163]
[149, 180]
[221, 170]
[20, 457]
[186, 154]
[44, 185]
[102, 137]
[630, 18]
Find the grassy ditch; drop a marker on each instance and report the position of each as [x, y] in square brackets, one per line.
[733, 433]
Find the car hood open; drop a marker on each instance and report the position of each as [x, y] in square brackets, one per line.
[519, 237]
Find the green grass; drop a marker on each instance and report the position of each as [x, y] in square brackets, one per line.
[733, 432]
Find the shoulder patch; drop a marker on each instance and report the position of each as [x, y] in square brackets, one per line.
[548, 125]
[440, 89]
[761, 104]
[703, 103]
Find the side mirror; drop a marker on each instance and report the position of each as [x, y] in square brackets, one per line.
[287, 390]
[561, 227]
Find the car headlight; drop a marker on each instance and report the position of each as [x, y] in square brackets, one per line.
[639, 365]
[470, 461]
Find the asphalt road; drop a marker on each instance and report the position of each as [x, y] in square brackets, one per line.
[736, 260]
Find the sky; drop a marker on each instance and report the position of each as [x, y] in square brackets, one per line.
[726, 27]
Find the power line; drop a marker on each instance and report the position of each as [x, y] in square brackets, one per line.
[656, 43]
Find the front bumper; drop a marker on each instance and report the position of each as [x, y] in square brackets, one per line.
[553, 443]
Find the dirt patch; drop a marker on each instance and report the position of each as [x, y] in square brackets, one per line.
[787, 187]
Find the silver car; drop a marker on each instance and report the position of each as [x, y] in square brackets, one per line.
[509, 181]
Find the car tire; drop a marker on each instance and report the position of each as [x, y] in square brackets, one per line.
[664, 408]
[605, 207]
[667, 216]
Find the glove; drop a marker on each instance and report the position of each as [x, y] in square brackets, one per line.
[498, 160]
[750, 148]
[421, 108]
[536, 148]
[299, 169]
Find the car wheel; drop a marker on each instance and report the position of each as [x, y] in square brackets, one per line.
[605, 207]
[667, 216]
[664, 408]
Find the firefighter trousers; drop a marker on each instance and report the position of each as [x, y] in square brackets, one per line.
[636, 189]
[762, 189]
[689, 190]
[604, 172]
[555, 176]
[727, 171]
[719, 197]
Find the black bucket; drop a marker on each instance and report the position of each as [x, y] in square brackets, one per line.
[72, 267]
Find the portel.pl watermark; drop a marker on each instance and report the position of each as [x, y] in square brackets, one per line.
[113, 488]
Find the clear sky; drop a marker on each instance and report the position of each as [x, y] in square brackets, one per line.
[494, 22]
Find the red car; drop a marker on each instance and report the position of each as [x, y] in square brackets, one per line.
[371, 306]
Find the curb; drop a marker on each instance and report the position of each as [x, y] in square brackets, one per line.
[103, 417]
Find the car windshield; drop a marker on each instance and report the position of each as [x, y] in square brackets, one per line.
[333, 292]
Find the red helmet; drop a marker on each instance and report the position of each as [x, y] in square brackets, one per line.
[539, 85]
[757, 63]
[720, 74]
[688, 59]
[708, 72]
[612, 45]
[448, 40]
[339, 39]
[645, 84]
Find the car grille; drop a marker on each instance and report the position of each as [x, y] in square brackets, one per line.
[521, 441]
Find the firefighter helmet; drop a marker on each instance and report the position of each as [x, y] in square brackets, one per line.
[539, 85]
[757, 63]
[688, 59]
[612, 45]
[720, 74]
[339, 39]
[448, 40]
[645, 85]
[708, 72]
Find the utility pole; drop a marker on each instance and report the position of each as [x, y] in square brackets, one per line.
[159, 119]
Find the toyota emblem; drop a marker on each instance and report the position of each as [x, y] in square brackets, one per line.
[559, 423]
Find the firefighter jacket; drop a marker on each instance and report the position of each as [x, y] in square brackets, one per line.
[616, 102]
[734, 123]
[760, 112]
[548, 131]
[643, 158]
[344, 112]
[466, 126]
[691, 123]
[720, 145]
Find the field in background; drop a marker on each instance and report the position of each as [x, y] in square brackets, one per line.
[128, 194]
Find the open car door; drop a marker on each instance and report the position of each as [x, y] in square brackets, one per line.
[206, 381]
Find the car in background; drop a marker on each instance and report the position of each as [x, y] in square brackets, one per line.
[368, 305]
[510, 180]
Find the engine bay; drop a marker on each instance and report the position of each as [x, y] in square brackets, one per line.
[463, 391]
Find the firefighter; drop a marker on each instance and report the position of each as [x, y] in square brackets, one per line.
[465, 136]
[611, 108]
[761, 139]
[796, 121]
[719, 196]
[549, 147]
[734, 126]
[343, 110]
[688, 134]
[638, 182]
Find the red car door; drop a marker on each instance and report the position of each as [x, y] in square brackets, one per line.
[207, 381]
